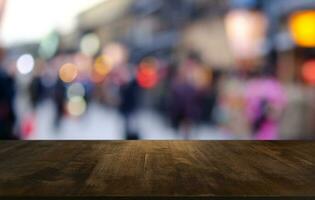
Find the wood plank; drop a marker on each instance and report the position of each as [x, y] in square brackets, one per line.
[156, 169]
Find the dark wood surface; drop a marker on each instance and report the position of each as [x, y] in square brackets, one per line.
[160, 169]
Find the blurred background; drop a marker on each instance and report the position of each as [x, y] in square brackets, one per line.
[157, 69]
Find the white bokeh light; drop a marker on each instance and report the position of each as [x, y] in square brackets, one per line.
[25, 64]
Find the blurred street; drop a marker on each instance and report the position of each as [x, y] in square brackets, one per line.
[106, 124]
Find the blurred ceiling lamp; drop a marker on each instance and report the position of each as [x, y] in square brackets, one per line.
[147, 75]
[308, 72]
[246, 31]
[302, 28]
[68, 72]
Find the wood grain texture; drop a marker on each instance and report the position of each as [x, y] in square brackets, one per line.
[162, 168]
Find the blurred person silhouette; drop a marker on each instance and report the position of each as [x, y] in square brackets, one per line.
[36, 88]
[265, 102]
[129, 97]
[59, 97]
[186, 95]
[7, 93]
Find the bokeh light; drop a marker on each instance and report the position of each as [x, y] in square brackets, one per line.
[25, 64]
[308, 72]
[90, 44]
[147, 75]
[103, 65]
[246, 31]
[49, 46]
[75, 90]
[76, 106]
[302, 28]
[117, 53]
[68, 72]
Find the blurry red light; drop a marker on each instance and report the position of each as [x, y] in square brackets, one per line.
[308, 72]
[147, 75]
[28, 127]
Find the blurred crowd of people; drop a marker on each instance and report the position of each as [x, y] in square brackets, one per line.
[247, 100]
[185, 93]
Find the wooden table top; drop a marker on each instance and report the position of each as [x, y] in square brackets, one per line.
[158, 169]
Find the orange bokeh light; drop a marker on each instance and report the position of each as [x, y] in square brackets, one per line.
[302, 28]
[308, 72]
[103, 65]
[68, 72]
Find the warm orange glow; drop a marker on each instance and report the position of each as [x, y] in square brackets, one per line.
[96, 78]
[103, 65]
[202, 77]
[68, 72]
[308, 72]
[302, 27]
[147, 75]
[246, 32]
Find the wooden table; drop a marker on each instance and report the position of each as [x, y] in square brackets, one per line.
[196, 169]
